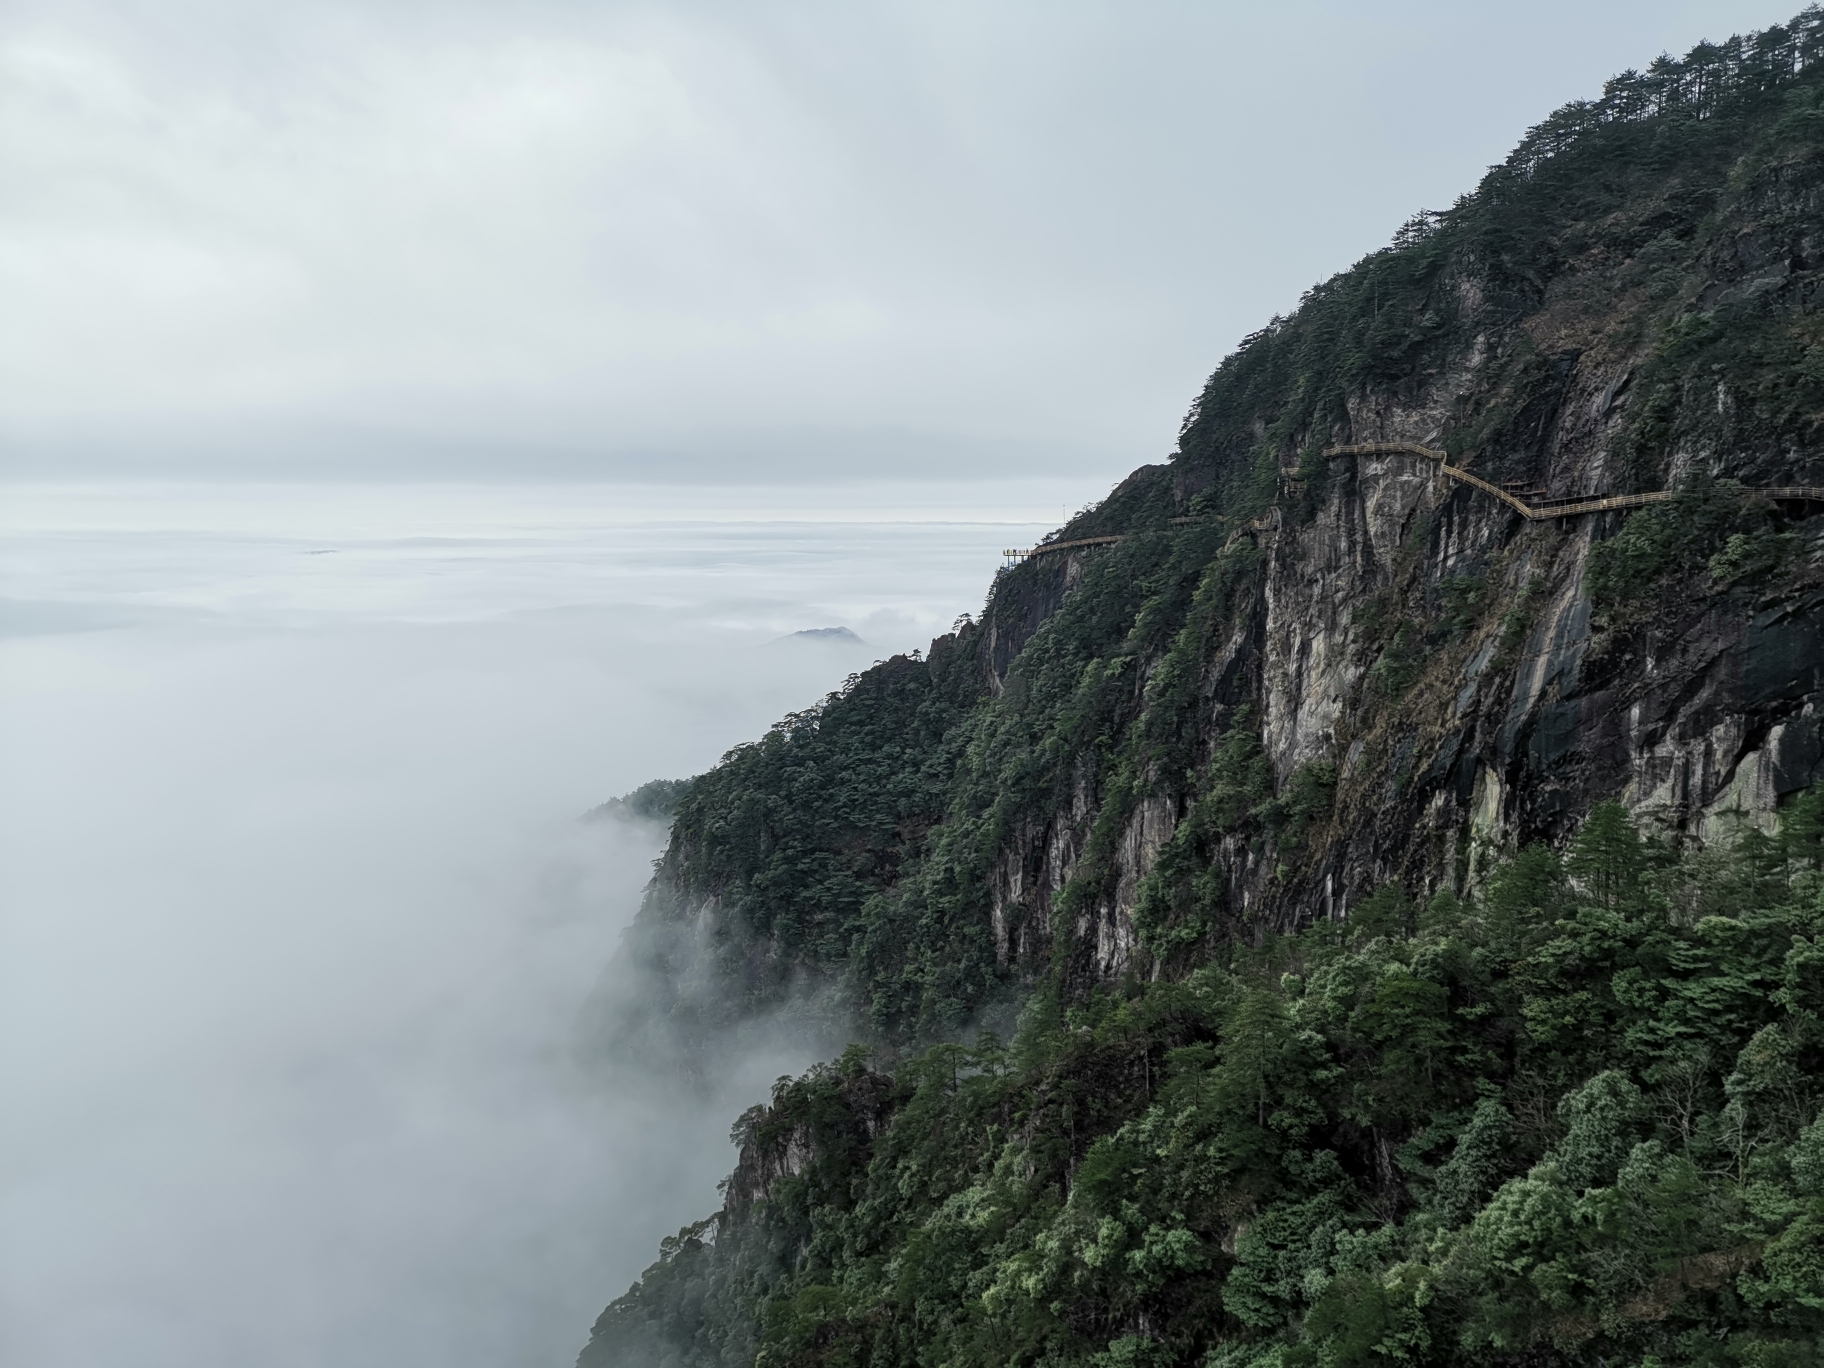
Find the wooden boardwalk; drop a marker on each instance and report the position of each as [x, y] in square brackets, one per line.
[1046, 548]
[1027, 553]
[1543, 510]
[1532, 509]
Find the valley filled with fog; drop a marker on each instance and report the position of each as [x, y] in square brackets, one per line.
[298, 914]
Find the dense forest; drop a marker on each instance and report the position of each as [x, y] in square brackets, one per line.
[1340, 922]
[1576, 1114]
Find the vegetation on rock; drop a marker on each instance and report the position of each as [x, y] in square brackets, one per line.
[1575, 1117]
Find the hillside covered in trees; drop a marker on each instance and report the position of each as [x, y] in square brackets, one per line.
[1342, 921]
[1573, 1118]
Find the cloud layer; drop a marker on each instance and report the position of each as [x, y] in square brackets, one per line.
[775, 241]
[296, 919]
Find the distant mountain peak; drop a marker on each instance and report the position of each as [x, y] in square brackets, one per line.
[826, 635]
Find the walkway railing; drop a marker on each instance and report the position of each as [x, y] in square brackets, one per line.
[1027, 553]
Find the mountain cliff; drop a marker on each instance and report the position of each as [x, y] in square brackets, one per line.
[1400, 897]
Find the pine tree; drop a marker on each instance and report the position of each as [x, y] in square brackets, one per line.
[1607, 859]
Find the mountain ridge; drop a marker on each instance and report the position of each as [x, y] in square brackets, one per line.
[1347, 717]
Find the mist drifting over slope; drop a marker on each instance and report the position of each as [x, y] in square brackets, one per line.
[298, 915]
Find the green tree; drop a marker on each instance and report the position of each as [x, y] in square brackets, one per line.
[1602, 1121]
[1607, 858]
[1477, 1166]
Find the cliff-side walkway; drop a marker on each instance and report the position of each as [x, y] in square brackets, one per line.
[1537, 509]
[1529, 506]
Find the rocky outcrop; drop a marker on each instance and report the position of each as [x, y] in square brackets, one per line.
[831, 1111]
[1701, 719]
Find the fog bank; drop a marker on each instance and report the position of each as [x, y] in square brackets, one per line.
[298, 914]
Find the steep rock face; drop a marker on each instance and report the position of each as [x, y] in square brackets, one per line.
[1497, 745]
[1700, 714]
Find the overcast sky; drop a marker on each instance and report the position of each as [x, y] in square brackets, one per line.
[766, 241]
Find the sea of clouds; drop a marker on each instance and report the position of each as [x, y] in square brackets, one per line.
[296, 914]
